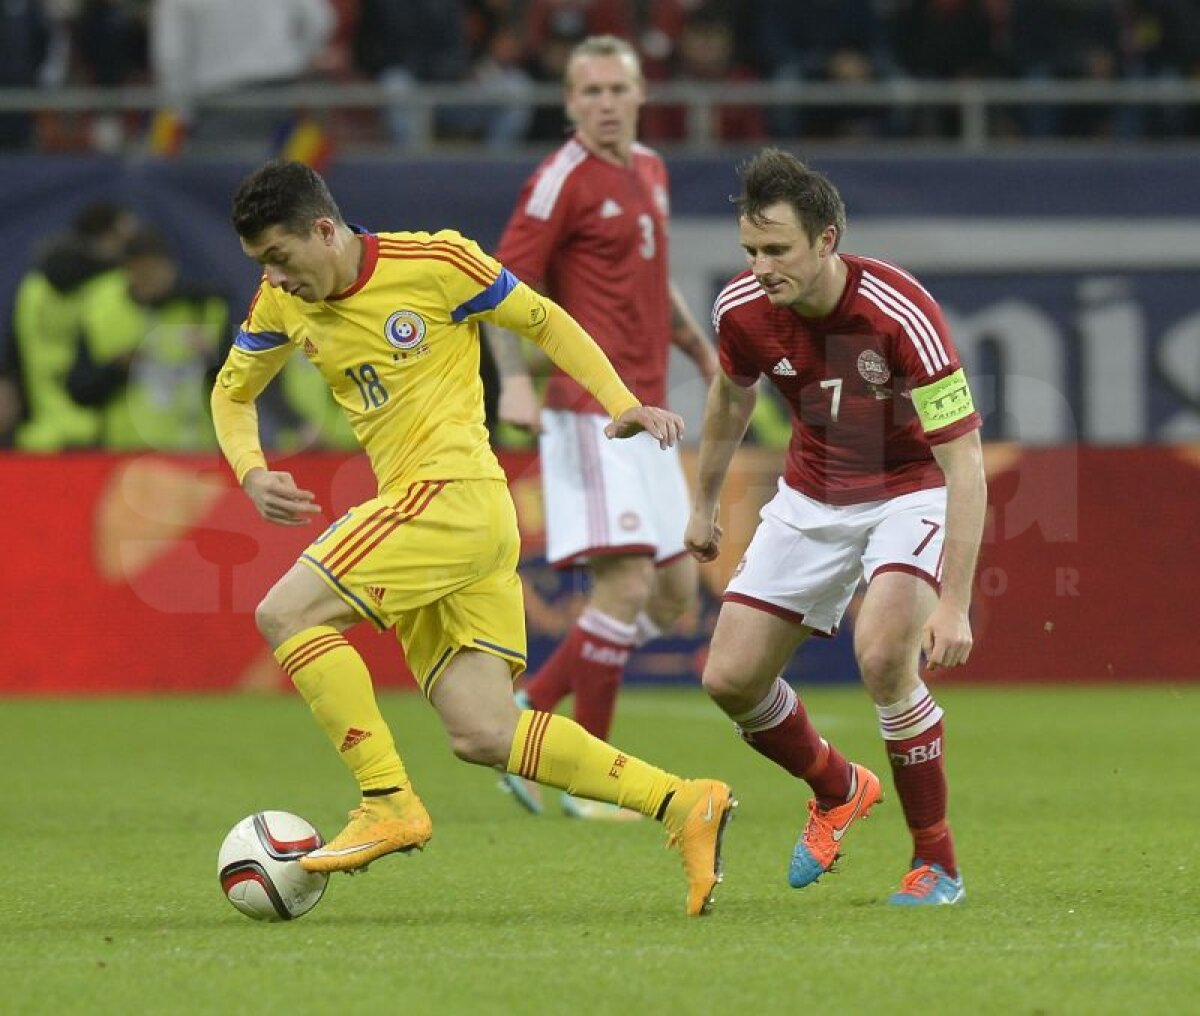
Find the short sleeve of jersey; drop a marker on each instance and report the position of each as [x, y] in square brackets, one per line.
[260, 349]
[922, 346]
[537, 226]
[739, 367]
[926, 356]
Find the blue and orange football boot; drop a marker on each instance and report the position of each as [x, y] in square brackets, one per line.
[928, 885]
[821, 841]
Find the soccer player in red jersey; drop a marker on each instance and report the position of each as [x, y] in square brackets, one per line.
[590, 230]
[884, 480]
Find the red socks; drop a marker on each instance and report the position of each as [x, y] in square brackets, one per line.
[779, 729]
[589, 662]
[912, 731]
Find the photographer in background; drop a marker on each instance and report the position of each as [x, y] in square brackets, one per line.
[148, 372]
[71, 292]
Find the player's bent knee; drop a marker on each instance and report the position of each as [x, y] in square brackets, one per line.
[277, 623]
[271, 621]
[736, 686]
[481, 746]
[723, 684]
[298, 602]
[627, 579]
[883, 670]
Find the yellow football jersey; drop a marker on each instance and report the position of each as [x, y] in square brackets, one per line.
[399, 349]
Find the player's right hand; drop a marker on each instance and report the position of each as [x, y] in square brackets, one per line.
[702, 537]
[278, 499]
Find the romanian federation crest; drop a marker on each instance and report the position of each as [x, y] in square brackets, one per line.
[405, 330]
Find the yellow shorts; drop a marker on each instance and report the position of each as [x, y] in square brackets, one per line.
[438, 562]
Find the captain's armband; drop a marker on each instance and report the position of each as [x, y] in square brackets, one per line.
[944, 402]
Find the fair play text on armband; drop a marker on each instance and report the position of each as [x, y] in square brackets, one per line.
[944, 402]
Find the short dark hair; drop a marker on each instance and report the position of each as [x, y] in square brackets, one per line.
[287, 194]
[98, 218]
[774, 176]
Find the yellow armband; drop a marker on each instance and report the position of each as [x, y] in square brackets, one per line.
[944, 402]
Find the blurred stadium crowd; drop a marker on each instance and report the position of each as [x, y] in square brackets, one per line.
[190, 48]
[111, 346]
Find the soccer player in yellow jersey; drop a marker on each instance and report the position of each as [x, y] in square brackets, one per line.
[390, 320]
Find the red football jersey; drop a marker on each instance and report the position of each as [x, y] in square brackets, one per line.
[848, 378]
[593, 236]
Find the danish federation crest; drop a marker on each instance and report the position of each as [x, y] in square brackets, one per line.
[873, 367]
[405, 330]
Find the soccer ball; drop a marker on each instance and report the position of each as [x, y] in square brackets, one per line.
[259, 866]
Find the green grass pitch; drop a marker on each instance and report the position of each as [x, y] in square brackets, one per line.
[1076, 813]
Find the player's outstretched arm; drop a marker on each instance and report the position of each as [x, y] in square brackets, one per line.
[946, 638]
[726, 417]
[570, 348]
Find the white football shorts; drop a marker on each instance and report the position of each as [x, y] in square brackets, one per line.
[607, 497]
[807, 557]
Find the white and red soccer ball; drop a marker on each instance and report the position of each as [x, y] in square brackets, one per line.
[259, 866]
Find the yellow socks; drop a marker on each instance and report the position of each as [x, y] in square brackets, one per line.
[334, 681]
[547, 748]
[558, 752]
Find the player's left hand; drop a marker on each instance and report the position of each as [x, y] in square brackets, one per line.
[661, 424]
[946, 638]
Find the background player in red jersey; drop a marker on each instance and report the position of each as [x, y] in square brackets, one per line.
[884, 480]
[590, 230]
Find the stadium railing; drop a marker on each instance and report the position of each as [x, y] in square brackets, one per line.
[977, 103]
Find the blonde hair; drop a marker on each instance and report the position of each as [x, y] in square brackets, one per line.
[603, 45]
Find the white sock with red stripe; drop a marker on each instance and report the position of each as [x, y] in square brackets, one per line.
[912, 715]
